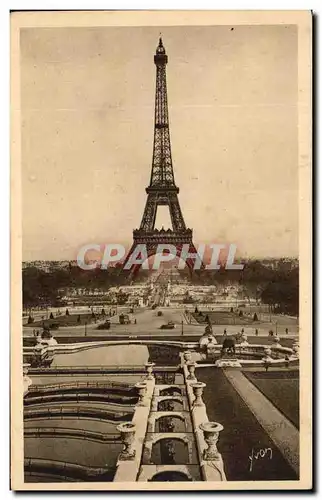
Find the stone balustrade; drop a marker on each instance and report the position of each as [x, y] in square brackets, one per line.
[206, 433]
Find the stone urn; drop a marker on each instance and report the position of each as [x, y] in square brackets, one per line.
[203, 341]
[187, 355]
[211, 434]
[208, 330]
[149, 368]
[267, 352]
[276, 341]
[244, 341]
[295, 350]
[26, 380]
[267, 361]
[211, 347]
[191, 365]
[141, 388]
[127, 431]
[25, 369]
[51, 342]
[198, 388]
[212, 341]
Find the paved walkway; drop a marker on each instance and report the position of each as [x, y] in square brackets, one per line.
[279, 428]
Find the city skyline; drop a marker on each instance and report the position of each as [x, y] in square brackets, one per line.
[91, 93]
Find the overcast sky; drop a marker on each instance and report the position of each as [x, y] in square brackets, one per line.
[87, 99]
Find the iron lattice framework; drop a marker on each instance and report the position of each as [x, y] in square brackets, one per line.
[162, 189]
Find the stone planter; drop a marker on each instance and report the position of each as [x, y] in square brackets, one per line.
[141, 388]
[211, 434]
[149, 368]
[198, 388]
[127, 431]
[191, 365]
[187, 356]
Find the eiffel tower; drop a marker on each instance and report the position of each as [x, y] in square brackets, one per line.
[162, 189]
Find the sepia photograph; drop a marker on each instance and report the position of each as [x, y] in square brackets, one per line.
[161, 250]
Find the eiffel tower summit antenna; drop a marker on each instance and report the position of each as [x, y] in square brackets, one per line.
[162, 189]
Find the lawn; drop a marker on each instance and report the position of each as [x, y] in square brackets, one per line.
[242, 436]
[281, 388]
[223, 318]
[65, 320]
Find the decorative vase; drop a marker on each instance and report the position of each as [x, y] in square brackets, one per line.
[211, 434]
[198, 388]
[127, 431]
[149, 368]
[141, 388]
[191, 365]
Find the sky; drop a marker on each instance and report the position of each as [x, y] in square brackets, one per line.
[87, 108]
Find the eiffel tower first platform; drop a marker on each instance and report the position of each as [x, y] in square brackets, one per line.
[162, 189]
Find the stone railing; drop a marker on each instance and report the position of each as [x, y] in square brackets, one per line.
[92, 384]
[77, 412]
[64, 469]
[206, 433]
[70, 432]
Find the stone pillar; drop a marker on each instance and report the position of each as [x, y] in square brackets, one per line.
[127, 431]
[198, 388]
[211, 434]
